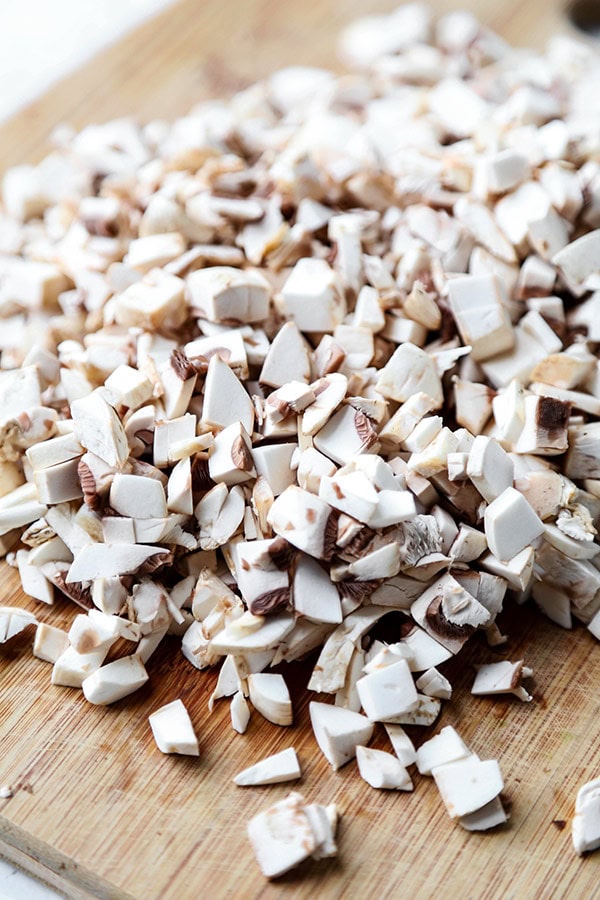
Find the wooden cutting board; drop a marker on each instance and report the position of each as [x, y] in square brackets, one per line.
[97, 810]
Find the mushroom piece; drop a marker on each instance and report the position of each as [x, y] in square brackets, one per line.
[115, 680]
[240, 713]
[270, 696]
[284, 835]
[14, 620]
[387, 693]
[586, 821]
[511, 524]
[502, 678]
[467, 785]
[305, 521]
[282, 766]
[173, 730]
[489, 816]
[382, 770]
[338, 732]
[445, 747]
[402, 744]
[50, 642]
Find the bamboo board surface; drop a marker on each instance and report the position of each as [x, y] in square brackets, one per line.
[97, 810]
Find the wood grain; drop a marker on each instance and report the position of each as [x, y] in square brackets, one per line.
[97, 809]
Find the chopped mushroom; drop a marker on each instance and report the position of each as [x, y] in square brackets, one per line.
[283, 766]
[173, 730]
[382, 770]
[586, 821]
[324, 352]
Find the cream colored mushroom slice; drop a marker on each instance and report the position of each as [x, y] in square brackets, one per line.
[179, 489]
[382, 770]
[445, 747]
[288, 358]
[434, 684]
[134, 495]
[261, 571]
[274, 463]
[231, 641]
[305, 521]
[240, 713]
[346, 434]
[129, 387]
[219, 514]
[348, 695]
[489, 816]
[502, 678]
[50, 642]
[476, 304]
[402, 744]
[330, 390]
[578, 261]
[424, 714]
[154, 303]
[338, 732]
[110, 560]
[173, 730]
[20, 507]
[489, 467]
[228, 345]
[313, 296]
[282, 837]
[585, 828]
[468, 784]
[473, 404]
[99, 430]
[87, 635]
[33, 581]
[445, 605]
[388, 692]
[225, 294]
[269, 695]
[315, 596]
[72, 668]
[14, 620]
[511, 524]
[279, 767]
[115, 680]
[226, 402]
[230, 460]
[409, 371]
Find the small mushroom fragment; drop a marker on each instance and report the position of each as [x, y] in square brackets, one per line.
[240, 713]
[489, 816]
[585, 827]
[402, 744]
[14, 620]
[289, 832]
[511, 524]
[270, 696]
[445, 747]
[387, 693]
[173, 730]
[338, 732]
[115, 680]
[282, 766]
[467, 785]
[434, 684]
[305, 521]
[50, 642]
[502, 678]
[382, 770]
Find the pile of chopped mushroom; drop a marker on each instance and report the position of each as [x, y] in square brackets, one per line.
[323, 351]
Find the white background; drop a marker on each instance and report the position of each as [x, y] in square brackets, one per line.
[41, 41]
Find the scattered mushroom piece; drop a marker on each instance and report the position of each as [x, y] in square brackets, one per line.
[382, 770]
[284, 835]
[173, 730]
[586, 821]
[282, 766]
[115, 680]
[502, 678]
[270, 696]
[338, 732]
[467, 785]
